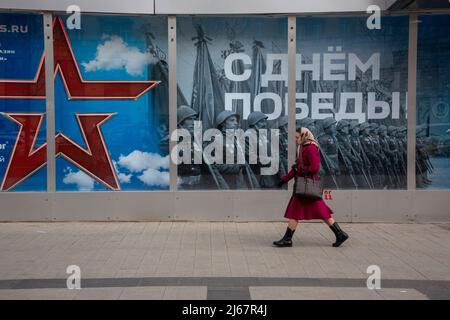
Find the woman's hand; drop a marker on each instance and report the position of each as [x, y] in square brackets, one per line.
[280, 183]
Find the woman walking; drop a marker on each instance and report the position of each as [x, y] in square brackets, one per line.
[307, 164]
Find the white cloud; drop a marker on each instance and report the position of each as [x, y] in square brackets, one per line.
[151, 167]
[114, 53]
[138, 161]
[152, 177]
[81, 179]
[123, 178]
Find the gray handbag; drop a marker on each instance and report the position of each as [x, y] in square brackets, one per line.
[307, 188]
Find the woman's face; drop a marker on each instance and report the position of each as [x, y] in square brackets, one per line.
[298, 138]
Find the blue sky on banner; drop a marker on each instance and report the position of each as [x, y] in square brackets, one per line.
[115, 48]
[20, 54]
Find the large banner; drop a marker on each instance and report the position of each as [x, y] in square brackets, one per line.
[433, 103]
[351, 93]
[22, 103]
[222, 65]
[111, 104]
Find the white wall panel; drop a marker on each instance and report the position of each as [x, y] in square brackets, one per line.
[349, 206]
[198, 6]
[106, 6]
[258, 6]
[431, 205]
[382, 206]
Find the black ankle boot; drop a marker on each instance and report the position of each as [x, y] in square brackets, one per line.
[286, 241]
[341, 236]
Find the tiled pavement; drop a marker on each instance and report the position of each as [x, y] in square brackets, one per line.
[187, 260]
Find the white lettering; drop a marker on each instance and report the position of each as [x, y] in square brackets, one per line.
[231, 104]
[274, 158]
[269, 75]
[329, 66]
[373, 105]
[74, 280]
[74, 20]
[373, 61]
[181, 153]
[314, 67]
[395, 105]
[213, 152]
[317, 105]
[357, 102]
[228, 67]
[277, 104]
[374, 20]
[374, 281]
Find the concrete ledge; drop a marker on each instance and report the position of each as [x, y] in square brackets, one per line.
[392, 206]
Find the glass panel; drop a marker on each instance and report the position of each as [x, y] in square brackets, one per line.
[111, 111]
[433, 101]
[22, 103]
[351, 93]
[232, 75]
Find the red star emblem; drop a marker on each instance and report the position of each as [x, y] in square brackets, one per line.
[94, 160]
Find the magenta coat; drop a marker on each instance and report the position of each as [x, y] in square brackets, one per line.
[306, 209]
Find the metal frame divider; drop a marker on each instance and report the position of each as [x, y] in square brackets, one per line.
[50, 101]
[172, 45]
[412, 81]
[292, 51]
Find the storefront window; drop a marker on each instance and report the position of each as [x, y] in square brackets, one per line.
[231, 102]
[111, 100]
[433, 100]
[22, 103]
[351, 93]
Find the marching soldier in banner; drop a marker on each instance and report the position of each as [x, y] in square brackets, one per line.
[348, 160]
[386, 179]
[235, 175]
[404, 141]
[393, 148]
[329, 153]
[363, 166]
[191, 175]
[383, 168]
[402, 147]
[389, 156]
[258, 121]
[368, 147]
[423, 165]
[282, 125]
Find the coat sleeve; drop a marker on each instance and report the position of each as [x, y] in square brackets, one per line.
[291, 174]
[311, 164]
